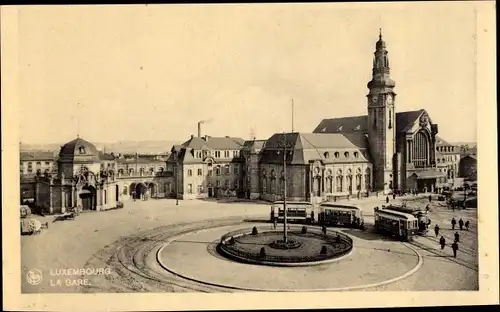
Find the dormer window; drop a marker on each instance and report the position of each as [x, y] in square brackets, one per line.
[340, 128]
[81, 150]
[323, 130]
[356, 154]
[357, 127]
[326, 154]
[346, 154]
[337, 154]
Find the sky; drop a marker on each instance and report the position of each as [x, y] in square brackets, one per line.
[151, 72]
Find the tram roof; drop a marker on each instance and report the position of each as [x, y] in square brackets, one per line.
[292, 203]
[334, 205]
[397, 213]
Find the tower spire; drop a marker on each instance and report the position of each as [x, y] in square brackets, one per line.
[380, 34]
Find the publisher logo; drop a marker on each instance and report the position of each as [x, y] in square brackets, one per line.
[34, 277]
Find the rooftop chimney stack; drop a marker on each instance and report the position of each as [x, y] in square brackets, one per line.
[199, 127]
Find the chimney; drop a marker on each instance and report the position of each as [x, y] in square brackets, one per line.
[199, 128]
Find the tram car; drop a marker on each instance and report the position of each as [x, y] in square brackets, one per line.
[340, 215]
[296, 211]
[394, 223]
[420, 214]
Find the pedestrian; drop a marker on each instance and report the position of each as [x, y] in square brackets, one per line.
[275, 223]
[427, 208]
[465, 205]
[387, 199]
[442, 242]
[324, 230]
[453, 222]
[467, 225]
[430, 198]
[457, 237]
[454, 246]
[461, 224]
[436, 230]
[394, 195]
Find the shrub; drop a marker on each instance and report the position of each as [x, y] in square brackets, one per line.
[304, 230]
[337, 239]
[323, 250]
[262, 252]
[255, 231]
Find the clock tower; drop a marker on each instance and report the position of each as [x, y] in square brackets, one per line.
[382, 119]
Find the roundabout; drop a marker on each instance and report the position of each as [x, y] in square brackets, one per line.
[304, 246]
[184, 258]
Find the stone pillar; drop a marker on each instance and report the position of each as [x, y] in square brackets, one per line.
[63, 199]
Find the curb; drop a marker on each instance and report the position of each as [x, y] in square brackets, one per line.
[347, 288]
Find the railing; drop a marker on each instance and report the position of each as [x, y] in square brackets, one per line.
[331, 237]
[144, 174]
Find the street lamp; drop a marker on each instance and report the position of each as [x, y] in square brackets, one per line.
[284, 145]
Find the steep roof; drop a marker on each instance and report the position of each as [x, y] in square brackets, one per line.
[214, 143]
[305, 147]
[36, 155]
[359, 124]
[343, 124]
[405, 120]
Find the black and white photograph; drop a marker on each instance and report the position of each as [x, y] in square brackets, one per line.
[278, 149]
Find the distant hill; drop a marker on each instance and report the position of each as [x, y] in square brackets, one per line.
[124, 147]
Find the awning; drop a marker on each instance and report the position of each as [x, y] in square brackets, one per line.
[428, 174]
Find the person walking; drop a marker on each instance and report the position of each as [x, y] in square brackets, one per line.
[393, 195]
[324, 230]
[436, 230]
[442, 242]
[275, 223]
[467, 225]
[454, 246]
[430, 198]
[387, 199]
[461, 224]
[457, 237]
[427, 208]
[453, 223]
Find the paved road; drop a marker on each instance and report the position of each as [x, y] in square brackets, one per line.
[70, 244]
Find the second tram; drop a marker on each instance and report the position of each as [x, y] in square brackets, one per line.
[340, 215]
[395, 223]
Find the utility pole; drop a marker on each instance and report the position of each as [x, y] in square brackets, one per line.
[285, 232]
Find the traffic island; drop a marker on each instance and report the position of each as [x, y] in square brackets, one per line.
[268, 247]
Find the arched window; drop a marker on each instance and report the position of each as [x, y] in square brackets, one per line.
[326, 154]
[81, 150]
[420, 153]
[338, 181]
[337, 154]
[346, 154]
[367, 179]
[273, 186]
[131, 171]
[264, 185]
[217, 171]
[329, 184]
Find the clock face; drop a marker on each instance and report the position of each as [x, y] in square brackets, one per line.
[374, 99]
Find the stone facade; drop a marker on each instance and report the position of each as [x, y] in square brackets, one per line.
[208, 167]
[402, 145]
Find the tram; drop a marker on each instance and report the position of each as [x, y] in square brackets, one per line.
[340, 215]
[402, 225]
[420, 214]
[296, 211]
